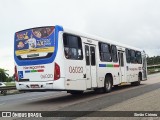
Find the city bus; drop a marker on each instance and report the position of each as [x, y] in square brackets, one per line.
[54, 58]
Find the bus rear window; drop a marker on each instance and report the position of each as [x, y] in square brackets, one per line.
[36, 43]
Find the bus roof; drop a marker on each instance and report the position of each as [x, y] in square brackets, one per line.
[89, 36]
[86, 35]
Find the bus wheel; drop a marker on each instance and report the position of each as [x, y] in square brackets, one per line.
[107, 84]
[76, 92]
[137, 82]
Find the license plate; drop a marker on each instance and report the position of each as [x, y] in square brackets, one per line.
[35, 86]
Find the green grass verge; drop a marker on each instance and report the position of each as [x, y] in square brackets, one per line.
[153, 70]
[10, 84]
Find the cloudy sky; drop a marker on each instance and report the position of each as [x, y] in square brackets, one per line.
[133, 22]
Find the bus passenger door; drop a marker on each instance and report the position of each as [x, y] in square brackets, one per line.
[90, 66]
[122, 66]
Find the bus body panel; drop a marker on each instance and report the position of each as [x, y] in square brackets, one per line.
[43, 85]
[42, 72]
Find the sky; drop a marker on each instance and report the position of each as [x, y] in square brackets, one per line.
[132, 22]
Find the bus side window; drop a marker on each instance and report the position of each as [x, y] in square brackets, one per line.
[133, 56]
[73, 53]
[114, 53]
[128, 55]
[87, 54]
[66, 52]
[93, 57]
[72, 47]
[79, 53]
[105, 52]
[122, 60]
[138, 57]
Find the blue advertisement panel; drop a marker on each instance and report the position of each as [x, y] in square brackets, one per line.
[35, 40]
[31, 46]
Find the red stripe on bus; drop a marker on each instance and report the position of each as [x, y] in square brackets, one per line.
[40, 70]
[116, 65]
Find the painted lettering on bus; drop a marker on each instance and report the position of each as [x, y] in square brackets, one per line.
[44, 76]
[133, 69]
[75, 69]
[139, 68]
[33, 67]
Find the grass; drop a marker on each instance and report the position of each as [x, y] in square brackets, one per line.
[10, 92]
[10, 84]
[153, 70]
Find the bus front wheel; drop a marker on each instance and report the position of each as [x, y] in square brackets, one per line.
[137, 82]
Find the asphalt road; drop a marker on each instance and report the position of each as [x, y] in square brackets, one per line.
[126, 98]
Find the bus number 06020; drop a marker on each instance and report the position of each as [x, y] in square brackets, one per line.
[44, 76]
[75, 69]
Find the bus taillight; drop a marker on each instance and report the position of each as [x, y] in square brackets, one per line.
[56, 72]
[15, 73]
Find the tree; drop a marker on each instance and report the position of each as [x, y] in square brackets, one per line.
[153, 60]
[3, 75]
[9, 79]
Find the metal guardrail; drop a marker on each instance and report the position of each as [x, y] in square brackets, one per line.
[8, 88]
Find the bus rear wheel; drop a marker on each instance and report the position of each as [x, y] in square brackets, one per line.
[107, 84]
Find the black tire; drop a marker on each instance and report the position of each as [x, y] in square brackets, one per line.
[107, 84]
[137, 82]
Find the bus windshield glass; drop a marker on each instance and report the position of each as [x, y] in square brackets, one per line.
[36, 43]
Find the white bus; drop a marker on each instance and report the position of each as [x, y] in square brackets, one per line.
[54, 58]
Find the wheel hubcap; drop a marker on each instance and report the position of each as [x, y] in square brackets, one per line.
[108, 85]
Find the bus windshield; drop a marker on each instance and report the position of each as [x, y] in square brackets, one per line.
[36, 43]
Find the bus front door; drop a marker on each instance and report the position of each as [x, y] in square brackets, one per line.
[90, 57]
[144, 67]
